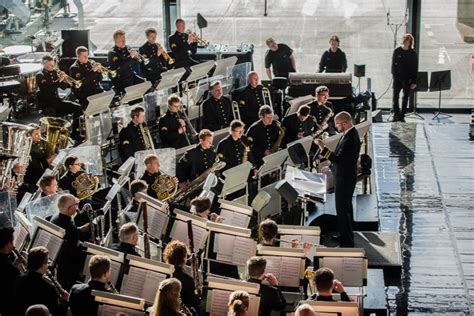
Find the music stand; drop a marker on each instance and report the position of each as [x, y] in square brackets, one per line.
[440, 80]
[236, 179]
[223, 64]
[135, 92]
[272, 163]
[421, 86]
[170, 78]
[296, 103]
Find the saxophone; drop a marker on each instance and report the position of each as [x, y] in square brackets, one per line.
[281, 133]
[320, 131]
[245, 155]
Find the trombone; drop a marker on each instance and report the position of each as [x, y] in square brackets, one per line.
[199, 40]
[68, 79]
[187, 125]
[104, 70]
[165, 55]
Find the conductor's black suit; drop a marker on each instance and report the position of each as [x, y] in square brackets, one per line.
[344, 169]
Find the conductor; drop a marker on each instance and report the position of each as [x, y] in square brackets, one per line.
[344, 169]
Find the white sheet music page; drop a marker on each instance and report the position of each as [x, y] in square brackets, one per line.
[235, 218]
[135, 280]
[114, 271]
[50, 241]
[353, 271]
[273, 265]
[243, 250]
[151, 284]
[223, 246]
[19, 236]
[180, 232]
[302, 238]
[156, 221]
[290, 272]
[219, 301]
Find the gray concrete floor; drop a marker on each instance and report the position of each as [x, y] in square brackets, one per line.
[306, 25]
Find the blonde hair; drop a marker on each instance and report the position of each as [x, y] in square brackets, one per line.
[238, 303]
[165, 297]
[409, 37]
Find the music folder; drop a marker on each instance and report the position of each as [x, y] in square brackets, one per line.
[48, 235]
[349, 264]
[157, 213]
[117, 304]
[117, 259]
[287, 264]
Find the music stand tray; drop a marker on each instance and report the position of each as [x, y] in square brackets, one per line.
[421, 86]
[135, 92]
[440, 80]
[99, 103]
[200, 70]
[170, 78]
[223, 64]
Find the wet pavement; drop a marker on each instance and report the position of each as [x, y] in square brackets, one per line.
[425, 188]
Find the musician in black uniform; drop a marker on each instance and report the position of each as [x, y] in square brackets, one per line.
[181, 45]
[404, 72]
[334, 59]
[250, 99]
[8, 271]
[171, 127]
[344, 169]
[154, 52]
[67, 182]
[263, 135]
[32, 288]
[135, 136]
[71, 258]
[234, 149]
[198, 159]
[48, 185]
[298, 125]
[217, 109]
[322, 110]
[81, 301]
[130, 213]
[88, 73]
[326, 284]
[49, 80]
[281, 58]
[128, 236]
[120, 58]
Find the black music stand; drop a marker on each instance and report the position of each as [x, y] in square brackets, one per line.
[421, 86]
[440, 80]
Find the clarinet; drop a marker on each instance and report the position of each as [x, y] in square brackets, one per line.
[59, 289]
[111, 288]
[146, 238]
[19, 256]
[194, 264]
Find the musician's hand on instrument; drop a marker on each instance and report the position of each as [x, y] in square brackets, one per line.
[337, 286]
[64, 295]
[413, 86]
[300, 135]
[96, 179]
[18, 168]
[267, 152]
[96, 67]
[181, 130]
[176, 180]
[324, 126]
[133, 53]
[216, 218]
[62, 76]
[183, 186]
[295, 243]
[319, 143]
[159, 51]
[191, 39]
[271, 279]
[19, 261]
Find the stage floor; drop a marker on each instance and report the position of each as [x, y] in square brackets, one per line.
[424, 175]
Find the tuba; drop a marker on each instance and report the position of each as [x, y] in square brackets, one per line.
[85, 185]
[57, 133]
[165, 187]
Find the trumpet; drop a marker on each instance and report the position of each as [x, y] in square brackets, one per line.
[68, 79]
[198, 39]
[139, 57]
[165, 55]
[105, 71]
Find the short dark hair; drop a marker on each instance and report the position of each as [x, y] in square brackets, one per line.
[256, 266]
[236, 124]
[6, 236]
[201, 204]
[46, 181]
[69, 161]
[175, 252]
[149, 31]
[268, 229]
[46, 58]
[204, 133]
[81, 49]
[178, 21]
[118, 33]
[174, 98]
[304, 110]
[98, 266]
[34, 126]
[265, 110]
[37, 310]
[150, 158]
[136, 111]
[138, 186]
[37, 257]
[324, 278]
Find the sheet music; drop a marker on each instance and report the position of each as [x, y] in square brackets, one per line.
[19, 236]
[110, 310]
[233, 249]
[235, 218]
[223, 245]
[180, 232]
[347, 270]
[285, 269]
[302, 238]
[219, 301]
[143, 283]
[156, 221]
[51, 242]
[115, 268]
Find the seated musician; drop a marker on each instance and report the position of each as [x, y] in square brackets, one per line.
[88, 73]
[121, 58]
[41, 157]
[267, 232]
[182, 44]
[326, 285]
[151, 50]
[264, 135]
[135, 136]
[305, 310]
[48, 185]
[217, 109]
[271, 297]
[68, 181]
[71, 258]
[201, 206]
[176, 253]
[130, 213]
[333, 59]
[167, 300]
[250, 99]
[152, 173]
[234, 149]
[128, 236]
[197, 160]
[81, 302]
[298, 125]
[322, 110]
[37, 310]
[9, 271]
[238, 304]
[171, 127]
[32, 288]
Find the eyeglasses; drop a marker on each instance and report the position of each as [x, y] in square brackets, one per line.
[76, 164]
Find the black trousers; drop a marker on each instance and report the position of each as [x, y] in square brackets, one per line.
[399, 85]
[344, 189]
